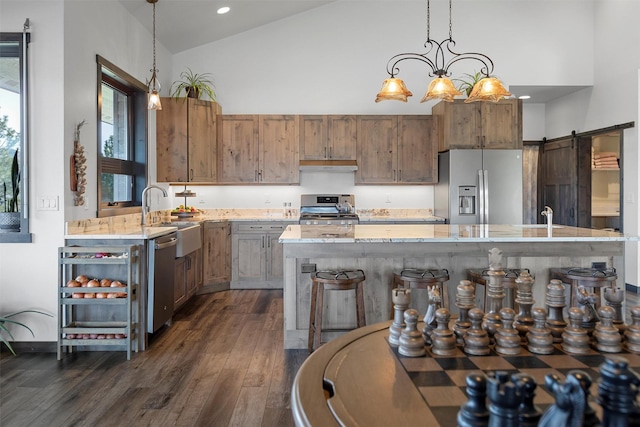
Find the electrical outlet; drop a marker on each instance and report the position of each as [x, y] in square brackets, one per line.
[387, 198]
[267, 198]
[629, 197]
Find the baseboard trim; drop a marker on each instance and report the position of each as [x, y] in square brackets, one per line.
[32, 347]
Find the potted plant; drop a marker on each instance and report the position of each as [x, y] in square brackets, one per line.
[466, 84]
[10, 217]
[194, 85]
[7, 319]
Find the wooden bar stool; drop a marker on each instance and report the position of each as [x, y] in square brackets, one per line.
[591, 278]
[419, 278]
[346, 280]
[481, 277]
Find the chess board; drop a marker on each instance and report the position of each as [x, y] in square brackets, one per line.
[441, 379]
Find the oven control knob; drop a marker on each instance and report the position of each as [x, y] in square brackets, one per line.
[343, 222]
[315, 222]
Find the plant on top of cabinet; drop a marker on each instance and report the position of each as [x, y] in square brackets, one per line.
[194, 85]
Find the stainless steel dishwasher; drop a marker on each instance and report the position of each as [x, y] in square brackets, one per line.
[161, 262]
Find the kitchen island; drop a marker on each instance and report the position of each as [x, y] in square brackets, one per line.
[379, 250]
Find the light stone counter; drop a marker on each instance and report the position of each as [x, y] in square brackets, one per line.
[380, 250]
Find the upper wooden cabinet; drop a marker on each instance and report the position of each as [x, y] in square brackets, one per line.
[491, 125]
[258, 149]
[397, 150]
[328, 137]
[186, 140]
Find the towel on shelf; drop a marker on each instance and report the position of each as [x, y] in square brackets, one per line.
[605, 154]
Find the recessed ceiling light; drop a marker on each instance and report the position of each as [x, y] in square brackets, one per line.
[223, 10]
[524, 97]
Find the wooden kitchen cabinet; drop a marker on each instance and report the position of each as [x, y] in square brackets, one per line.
[330, 137]
[216, 245]
[489, 125]
[257, 258]
[186, 277]
[186, 135]
[258, 149]
[397, 150]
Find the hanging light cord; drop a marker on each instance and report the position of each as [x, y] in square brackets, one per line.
[154, 78]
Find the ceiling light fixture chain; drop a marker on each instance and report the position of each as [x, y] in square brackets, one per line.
[441, 87]
[153, 84]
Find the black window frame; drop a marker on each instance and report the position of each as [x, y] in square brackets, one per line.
[137, 166]
[22, 52]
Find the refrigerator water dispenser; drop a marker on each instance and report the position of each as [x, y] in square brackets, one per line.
[467, 200]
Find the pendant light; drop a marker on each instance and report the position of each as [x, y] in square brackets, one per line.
[153, 84]
[487, 89]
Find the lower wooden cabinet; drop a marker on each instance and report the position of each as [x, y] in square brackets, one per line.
[257, 261]
[216, 246]
[187, 277]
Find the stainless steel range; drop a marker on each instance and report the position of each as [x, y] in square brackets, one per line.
[328, 209]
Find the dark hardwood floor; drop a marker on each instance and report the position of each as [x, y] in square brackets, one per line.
[221, 363]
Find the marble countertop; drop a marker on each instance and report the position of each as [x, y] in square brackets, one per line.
[138, 232]
[434, 233]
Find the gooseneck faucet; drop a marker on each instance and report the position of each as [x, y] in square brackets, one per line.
[548, 212]
[145, 205]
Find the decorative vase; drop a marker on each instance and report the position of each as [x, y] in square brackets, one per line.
[10, 220]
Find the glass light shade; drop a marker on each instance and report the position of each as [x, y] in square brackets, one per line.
[154, 101]
[393, 89]
[441, 88]
[488, 89]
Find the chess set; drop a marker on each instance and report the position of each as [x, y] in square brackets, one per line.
[532, 368]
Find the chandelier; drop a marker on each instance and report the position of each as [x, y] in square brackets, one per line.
[488, 88]
[153, 85]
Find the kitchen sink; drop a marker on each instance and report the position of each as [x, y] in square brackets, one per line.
[189, 237]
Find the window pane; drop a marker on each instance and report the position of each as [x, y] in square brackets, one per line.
[9, 123]
[116, 188]
[115, 138]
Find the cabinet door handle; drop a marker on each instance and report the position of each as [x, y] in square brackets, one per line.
[330, 153]
[394, 174]
[263, 241]
[255, 175]
[191, 174]
[268, 242]
[325, 152]
[260, 174]
[399, 175]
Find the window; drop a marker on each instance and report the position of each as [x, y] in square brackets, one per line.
[122, 141]
[14, 220]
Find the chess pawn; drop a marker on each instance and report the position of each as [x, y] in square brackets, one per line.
[474, 412]
[555, 301]
[617, 391]
[613, 297]
[575, 338]
[476, 339]
[539, 338]
[528, 413]
[607, 337]
[443, 342]
[495, 295]
[401, 298]
[524, 299]
[632, 333]
[465, 300]
[507, 338]
[435, 301]
[411, 343]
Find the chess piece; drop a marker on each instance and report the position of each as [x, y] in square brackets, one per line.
[401, 298]
[539, 338]
[443, 342]
[411, 343]
[590, 419]
[524, 299]
[476, 339]
[474, 412]
[555, 301]
[528, 413]
[507, 338]
[504, 400]
[607, 337]
[632, 333]
[617, 391]
[588, 302]
[613, 297]
[569, 408]
[435, 302]
[465, 300]
[495, 293]
[575, 338]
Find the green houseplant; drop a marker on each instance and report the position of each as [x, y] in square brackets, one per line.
[4, 331]
[465, 85]
[193, 85]
[10, 217]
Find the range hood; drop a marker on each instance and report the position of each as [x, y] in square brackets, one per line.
[328, 165]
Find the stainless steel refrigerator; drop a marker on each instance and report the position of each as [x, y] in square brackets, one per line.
[479, 187]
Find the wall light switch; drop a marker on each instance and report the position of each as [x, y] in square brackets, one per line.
[267, 198]
[47, 203]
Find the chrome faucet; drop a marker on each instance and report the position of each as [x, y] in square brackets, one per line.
[145, 205]
[548, 212]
